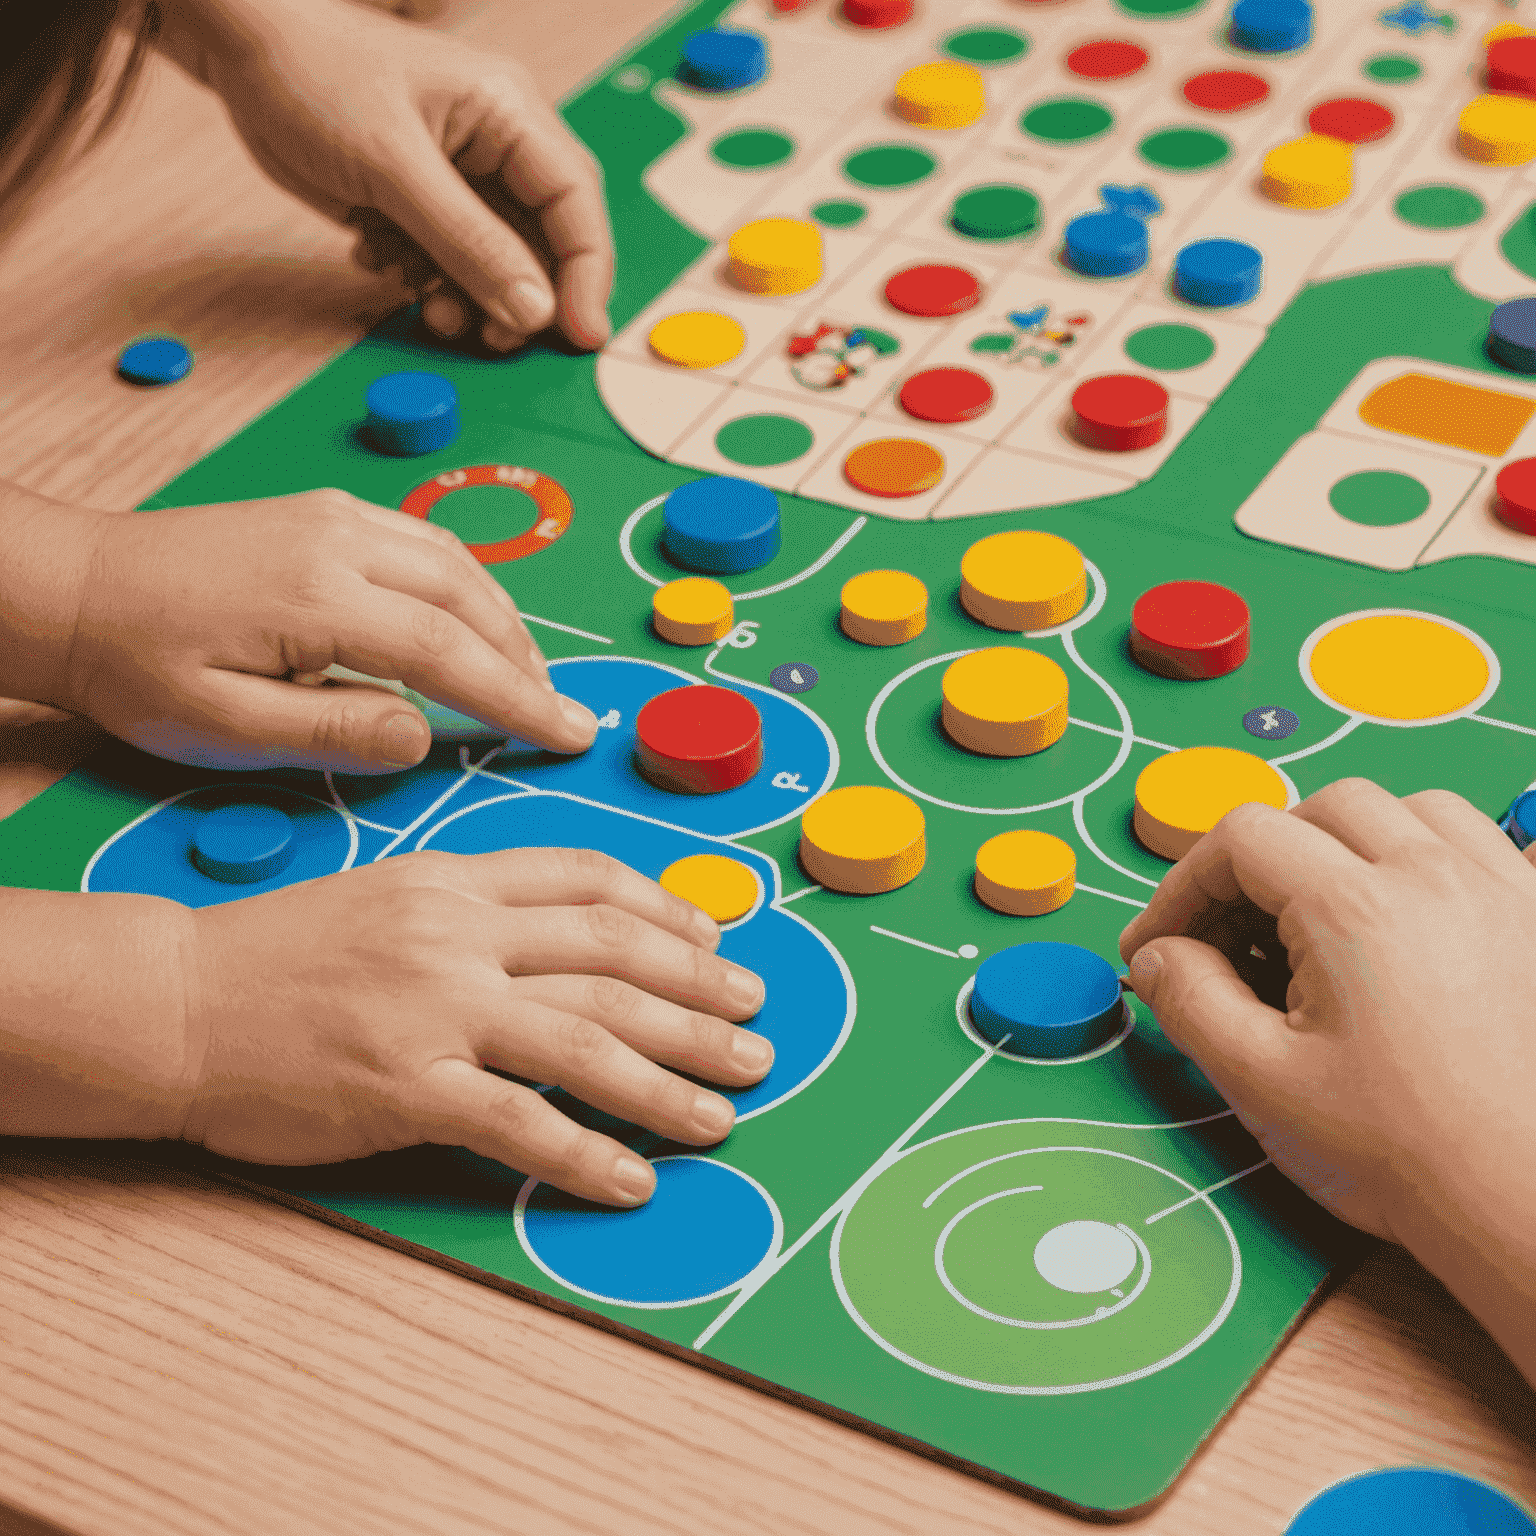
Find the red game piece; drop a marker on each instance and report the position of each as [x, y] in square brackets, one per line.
[1119, 412]
[933, 291]
[877, 13]
[1515, 503]
[1190, 630]
[1352, 119]
[946, 395]
[1107, 59]
[699, 740]
[1512, 66]
[1225, 90]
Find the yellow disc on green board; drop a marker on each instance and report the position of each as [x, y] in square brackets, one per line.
[1023, 580]
[697, 338]
[1025, 873]
[724, 888]
[883, 607]
[1182, 795]
[864, 839]
[1399, 666]
[693, 611]
[1004, 701]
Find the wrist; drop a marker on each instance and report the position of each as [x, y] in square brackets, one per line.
[219, 41]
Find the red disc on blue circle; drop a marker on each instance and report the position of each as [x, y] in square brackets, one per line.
[946, 395]
[699, 740]
[1516, 500]
[1107, 59]
[1352, 119]
[1118, 412]
[1190, 630]
[931, 291]
[1225, 90]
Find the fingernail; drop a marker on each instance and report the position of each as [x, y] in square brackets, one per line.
[444, 314]
[532, 304]
[404, 740]
[744, 989]
[633, 1180]
[499, 337]
[579, 718]
[752, 1053]
[713, 1116]
[1146, 963]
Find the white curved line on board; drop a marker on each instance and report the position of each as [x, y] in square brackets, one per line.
[1352, 723]
[346, 810]
[832, 553]
[1082, 831]
[1503, 725]
[569, 629]
[627, 532]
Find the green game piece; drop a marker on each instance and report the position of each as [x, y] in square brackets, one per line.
[839, 213]
[1160, 8]
[752, 149]
[986, 45]
[1379, 498]
[889, 165]
[1067, 120]
[1169, 348]
[1184, 149]
[1439, 207]
[1519, 242]
[993, 341]
[996, 212]
[1392, 68]
[763, 440]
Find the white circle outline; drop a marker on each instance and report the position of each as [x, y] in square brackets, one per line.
[971, 1033]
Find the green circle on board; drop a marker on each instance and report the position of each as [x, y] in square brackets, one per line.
[986, 45]
[995, 212]
[1169, 348]
[485, 514]
[1439, 207]
[1184, 149]
[1379, 498]
[763, 440]
[752, 149]
[889, 165]
[839, 213]
[1159, 7]
[993, 341]
[1392, 68]
[1067, 120]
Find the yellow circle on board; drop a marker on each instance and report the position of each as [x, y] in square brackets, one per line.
[697, 338]
[776, 256]
[884, 607]
[1314, 171]
[1497, 130]
[1026, 874]
[693, 611]
[724, 888]
[1190, 791]
[863, 822]
[1023, 580]
[941, 95]
[1398, 666]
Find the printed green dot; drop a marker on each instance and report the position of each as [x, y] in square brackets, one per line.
[996, 212]
[1159, 7]
[1439, 207]
[1169, 348]
[839, 213]
[889, 165]
[993, 341]
[763, 440]
[752, 149]
[986, 45]
[1392, 68]
[1067, 120]
[1379, 498]
[1184, 149]
[882, 341]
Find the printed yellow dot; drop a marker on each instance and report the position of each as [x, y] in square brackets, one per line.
[1005, 702]
[724, 888]
[884, 608]
[693, 611]
[776, 256]
[863, 840]
[697, 338]
[941, 95]
[1182, 795]
[1025, 874]
[1314, 171]
[1497, 130]
[1020, 581]
[1398, 666]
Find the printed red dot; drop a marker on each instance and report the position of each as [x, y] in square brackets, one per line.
[1352, 119]
[1225, 90]
[946, 395]
[1107, 59]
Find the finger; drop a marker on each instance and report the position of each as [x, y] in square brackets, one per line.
[1465, 827]
[463, 1106]
[444, 314]
[1365, 818]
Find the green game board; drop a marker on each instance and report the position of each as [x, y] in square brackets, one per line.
[846, 1173]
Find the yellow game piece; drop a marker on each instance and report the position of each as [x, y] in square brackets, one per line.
[1485, 421]
[1399, 666]
[1182, 795]
[693, 611]
[1005, 702]
[884, 608]
[697, 338]
[1025, 874]
[1504, 29]
[863, 840]
[1497, 130]
[776, 256]
[1021, 581]
[724, 888]
[1314, 171]
[941, 95]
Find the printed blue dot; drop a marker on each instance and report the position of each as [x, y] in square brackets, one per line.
[241, 844]
[721, 525]
[1269, 722]
[1271, 26]
[155, 360]
[1047, 1000]
[722, 59]
[1520, 824]
[705, 1230]
[1218, 273]
[1106, 244]
[1512, 335]
[1412, 1501]
[412, 413]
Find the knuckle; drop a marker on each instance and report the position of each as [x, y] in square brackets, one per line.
[583, 1042]
[708, 1039]
[434, 631]
[1438, 799]
[612, 929]
[341, 729]
[611, 1000]
[589, 868]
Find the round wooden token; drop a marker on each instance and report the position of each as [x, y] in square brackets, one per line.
[863, 840]
[1182, 795]
[894, 466]
[1107, 59]
[883, 608]
[693, 611]
[877, 14]
[1119, 412]
[1512, 65]
[1025, 873]
[1190, 630]
[933, 291]
[1516, 501]
[698, 740]
[1004, 702]
[1225, 90]
[1352, 119]
[946, 395]
[1023, 579]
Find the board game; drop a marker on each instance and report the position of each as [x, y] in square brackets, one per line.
[1213, 294]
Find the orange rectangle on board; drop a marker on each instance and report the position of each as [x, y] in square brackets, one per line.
[1466, 416]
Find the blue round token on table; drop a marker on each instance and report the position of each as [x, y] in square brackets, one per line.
[721, 525]
[1271, 26]
[1106, 244]
[243, 844]
[155, 360]
[1520, 823]
[723, 59]
[1218, 273]
[794, 677]
[1412, 1501]
[1047, 1000]
[411, 413]
[1270, 723]
[1512, 335]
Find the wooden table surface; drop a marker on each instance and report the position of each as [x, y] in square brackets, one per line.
[177, 1356]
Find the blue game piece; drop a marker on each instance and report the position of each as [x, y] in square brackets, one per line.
[1218, 273]
[722, 525]
[1412, 1501]
[242, 844]
[1270, 723]
[1047, 1000]
[1271, 26]
[1512, 335]
[412, 413]
[1520, 823]
[1106, 244]
[724, 59]
[155, 360]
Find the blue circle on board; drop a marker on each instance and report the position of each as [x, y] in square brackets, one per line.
[155, 360]
[1271, 26]
[1270, 723]
[412, 413]
[794, 677]
[704, 1231]
[1106, 244]
[1520, 823]
[1218, 273]
[1412, 1501]
[721, 525]
[1046, 999]
[724, 59]
[1512, 335]
[242, 843]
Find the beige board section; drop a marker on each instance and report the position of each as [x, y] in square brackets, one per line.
[657, 418]
[1046, 430]
[1236, 341]
[1475, 530]
[1004, 481]
[697, 448]
[828, 483]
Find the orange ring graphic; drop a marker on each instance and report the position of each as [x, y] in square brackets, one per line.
[555, 509]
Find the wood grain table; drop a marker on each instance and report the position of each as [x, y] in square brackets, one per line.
[178, 1357]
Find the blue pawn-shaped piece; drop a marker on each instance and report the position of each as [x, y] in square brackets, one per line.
[1271, 26]
[721, 525]
[1512, 335]
[723, 59]
[1112, 242]
[1520, 823]
[411, 413]
[243, 844]
[1218, 273]
[1047, 1000]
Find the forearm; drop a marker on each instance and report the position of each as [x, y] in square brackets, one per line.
[207, 37]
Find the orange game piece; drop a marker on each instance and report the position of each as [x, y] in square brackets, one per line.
[894, 466]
